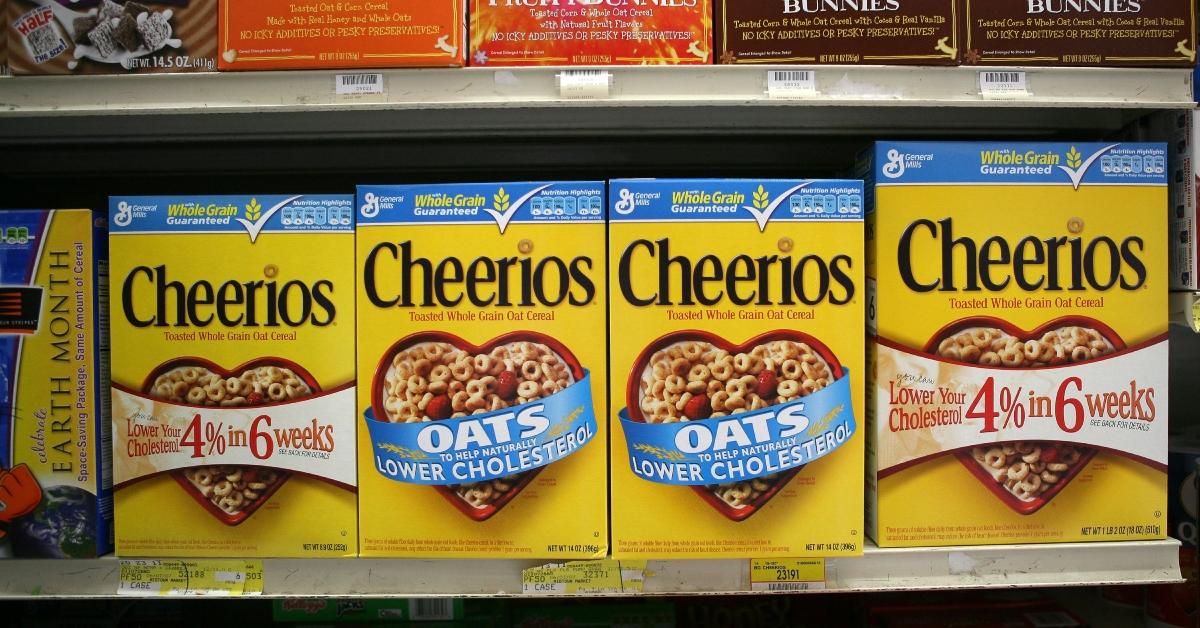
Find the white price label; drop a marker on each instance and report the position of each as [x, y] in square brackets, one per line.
[584, 84]
[791, 84]
[1003, 84]
[358, 84]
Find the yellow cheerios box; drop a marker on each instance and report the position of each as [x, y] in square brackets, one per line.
[1018, 318]
[233, 375]
[736, 354]
[481, 359]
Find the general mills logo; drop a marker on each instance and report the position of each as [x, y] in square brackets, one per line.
[370, 206]
[894, 168]
[124, 214]
[625, 205]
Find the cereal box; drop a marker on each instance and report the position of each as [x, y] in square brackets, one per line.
[736, 356]
[285, 34]
[482, 370]
[233, 378]
[1018, 316]
[925, 32]
[55, 451]
[3, 41]
[586, 32]
[107, 37]
[1081, 32]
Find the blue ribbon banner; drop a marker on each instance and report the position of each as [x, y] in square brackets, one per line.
[487, 446]
[742, 446]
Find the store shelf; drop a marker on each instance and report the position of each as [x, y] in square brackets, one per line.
[1001, 566]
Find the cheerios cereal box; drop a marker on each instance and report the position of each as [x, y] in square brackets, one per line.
[1018, 323]
[233, 376]
[481, 356]
[55, 465]
[736, 355]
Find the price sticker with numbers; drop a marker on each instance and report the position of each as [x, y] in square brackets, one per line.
[231, 578]
[584, 84]
[359, 86]
[1003, 84]
[791, 84]
[787, 574]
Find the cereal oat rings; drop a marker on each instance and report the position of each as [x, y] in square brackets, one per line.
[233, 382]
[740, 359]
[481, 358]
[1018, 385]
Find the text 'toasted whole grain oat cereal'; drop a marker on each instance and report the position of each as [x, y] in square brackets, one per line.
[1019, 354]
[481, 355]
[233, 382]
[588, 32]
[737, 351]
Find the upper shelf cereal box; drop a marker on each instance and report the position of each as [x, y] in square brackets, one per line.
[291, 34]
[482, 370]
[233, 378]
[55, 464]
[736, 354]
[1019, 354]
[107, 37]
[585, 32]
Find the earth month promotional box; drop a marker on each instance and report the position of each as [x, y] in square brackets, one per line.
[925, 32]
[585, 32]
[55, 450]
[736, 354]
[290, 34]
[107, 37]
[481, 353]
[1081, 32]
[233, 375]
[1019, 342]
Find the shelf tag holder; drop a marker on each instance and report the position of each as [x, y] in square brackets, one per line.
[1003, 85]
[604, 576]
[584, 84]
[791, 84]
[178, 578]
[787, 574]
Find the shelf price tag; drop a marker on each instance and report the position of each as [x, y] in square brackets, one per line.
[583, 576]
[229, 578]
[365, 87]
[785, 84]
[584, 84]
[787, 574]
[1003, 84]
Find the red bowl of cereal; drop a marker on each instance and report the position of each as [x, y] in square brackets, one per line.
[693, 375]
[231, 493]
[1025, 475]
[434, 375]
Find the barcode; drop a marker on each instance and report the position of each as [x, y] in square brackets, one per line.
[583, 72]
[359, 79]
[432, 608]
[1052, 619]
[798, 76]
[1002, 77]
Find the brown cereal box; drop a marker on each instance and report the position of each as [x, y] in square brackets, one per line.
[1018, 354]
[108, 37]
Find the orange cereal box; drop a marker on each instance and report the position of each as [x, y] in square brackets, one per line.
[482, 370]
[233, 379]
[587, 32]
[1018, 355]
[286, 34]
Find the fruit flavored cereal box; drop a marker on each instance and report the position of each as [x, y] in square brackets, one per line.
[107, 37]
[55, 464]
[736, 353]
[286, 34]
[1019, 354]
[481, 356]
[586, 32]
[233, 375]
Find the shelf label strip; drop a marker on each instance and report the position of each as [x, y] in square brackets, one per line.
[1003, 84]
[788, 84]
[226, 578]
[584, 84]
[787, 574]
[585, 576]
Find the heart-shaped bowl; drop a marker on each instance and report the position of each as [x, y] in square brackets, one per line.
[1024, 506]
[230, 519]
[642, 363]
[379, 381]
